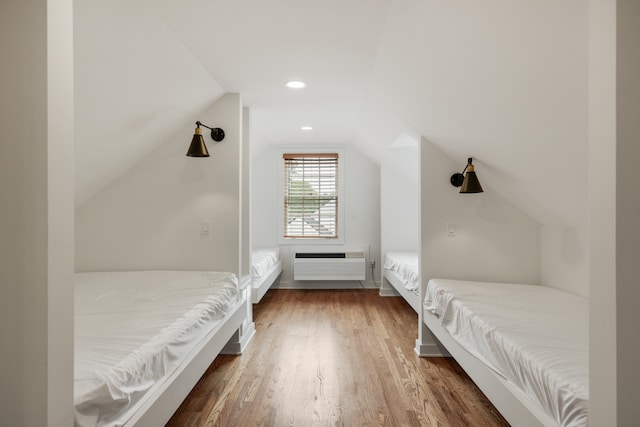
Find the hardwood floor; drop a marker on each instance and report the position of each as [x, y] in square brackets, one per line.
[334, 358]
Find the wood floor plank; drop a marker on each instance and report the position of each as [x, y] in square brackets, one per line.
[334, 358]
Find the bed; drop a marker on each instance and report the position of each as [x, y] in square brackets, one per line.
[144, 338]
[401, 271]
[266, 267]
[525, 346]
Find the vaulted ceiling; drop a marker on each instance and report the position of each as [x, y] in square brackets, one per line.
[504, 82]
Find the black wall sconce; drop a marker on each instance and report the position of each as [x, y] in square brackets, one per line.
[198, 147]
[468, 182]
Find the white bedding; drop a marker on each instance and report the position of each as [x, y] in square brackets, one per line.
[262, 260]
[405, 265]
[133, 328]
[534, 336]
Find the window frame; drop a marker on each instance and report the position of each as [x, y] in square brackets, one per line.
[339, 239]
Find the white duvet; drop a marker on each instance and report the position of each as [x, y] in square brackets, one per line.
[405, 265]
[534, 336]
[133, 328]
[262, 260]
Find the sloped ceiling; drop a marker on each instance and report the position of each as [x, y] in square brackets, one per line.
[504, 82]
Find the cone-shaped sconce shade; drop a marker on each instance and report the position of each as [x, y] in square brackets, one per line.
[468, 182]
[471, 183]
[197, 147]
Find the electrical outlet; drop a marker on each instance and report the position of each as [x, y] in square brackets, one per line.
[373, 263]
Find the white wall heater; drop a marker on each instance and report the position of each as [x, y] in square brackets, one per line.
[329, 266]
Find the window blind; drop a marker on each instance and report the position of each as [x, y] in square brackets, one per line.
[311, 195]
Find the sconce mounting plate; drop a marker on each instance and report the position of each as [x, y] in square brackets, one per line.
[217, 134]
[457, 179]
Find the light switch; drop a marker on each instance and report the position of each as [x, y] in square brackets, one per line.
[205, 228]
[451, 229]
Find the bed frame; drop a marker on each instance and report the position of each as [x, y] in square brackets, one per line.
[161, 401]
[396, 281]
[263, 283]
[518, 409]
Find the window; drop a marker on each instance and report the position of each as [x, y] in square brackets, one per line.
[311, 195]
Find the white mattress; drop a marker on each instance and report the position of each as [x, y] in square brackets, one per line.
[536, 337]
[134, 328]
[262, 260]
[405, 265]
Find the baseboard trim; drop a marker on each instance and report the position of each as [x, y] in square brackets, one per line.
[430, 350]
[389, 292]
[313, 284]
[238, 346]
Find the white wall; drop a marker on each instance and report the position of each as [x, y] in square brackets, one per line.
[150, 217]
[400, 199]
[361, 205]
[602, 213]
[36, 219]
[494, 241]
[264, 194]
[614, 208]
[245, 250]
[628, 211]
[565, 258]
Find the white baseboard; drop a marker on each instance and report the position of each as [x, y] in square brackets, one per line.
[313, 284]
[389, 292]
[430, 350]
[236, 345]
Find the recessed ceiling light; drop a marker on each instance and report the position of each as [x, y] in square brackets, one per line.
[306, 128]
[296, 84]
